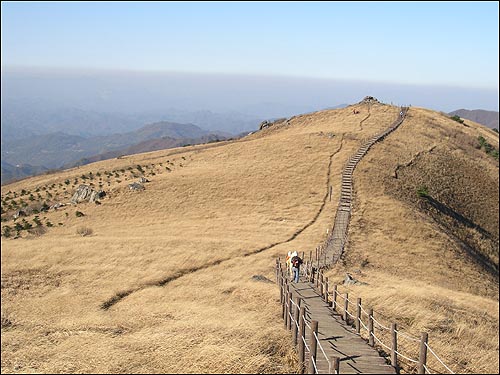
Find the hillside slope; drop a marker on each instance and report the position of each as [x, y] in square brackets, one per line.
[165, 283]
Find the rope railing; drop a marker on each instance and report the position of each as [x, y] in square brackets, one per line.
[375, 323]
[334, 245]
[321, 347]
[439, 359]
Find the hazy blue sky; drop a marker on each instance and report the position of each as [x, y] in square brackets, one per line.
[260, 58]
[449, 43]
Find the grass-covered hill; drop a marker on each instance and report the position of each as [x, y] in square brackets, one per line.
[162, 279]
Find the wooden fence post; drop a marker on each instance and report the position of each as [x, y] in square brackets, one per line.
[371, 339]
[283, 303]
[313, 346]
[277, 269]
[296, 312]
[321, 284]
[289, 311]
[326, 291]
[334, 365]
[334, 298]
[282, 286]
[346, 306]
[394, 346]
[422, 358]
[358, 315]
[302, 337]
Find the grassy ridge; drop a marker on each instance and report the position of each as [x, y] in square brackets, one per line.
[194, 225]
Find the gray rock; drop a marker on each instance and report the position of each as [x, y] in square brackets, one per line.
[264, 124]
[261, 278]
[143, 180]
[18, 214]
[136, 186]
[57, 205]
[349, 280]
[86, 193]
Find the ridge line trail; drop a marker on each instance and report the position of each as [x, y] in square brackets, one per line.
[364, 119]
[121, 295]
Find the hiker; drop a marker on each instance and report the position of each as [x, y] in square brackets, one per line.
[296, 262]
[401, 113]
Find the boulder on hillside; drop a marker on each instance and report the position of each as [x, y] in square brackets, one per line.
[136, 186]
[86, 193]
[349, 280]
[57, 205]
[261, 278]
[264, 124]
[18, 214]
[143, 180]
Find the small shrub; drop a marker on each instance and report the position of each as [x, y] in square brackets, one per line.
[84, 231]
[6, 231]
[67, 182]
[457, 119]
[423, 192]
[79, 214]
[49, 224]
[37, 231]
[488, 148]
[26, 225]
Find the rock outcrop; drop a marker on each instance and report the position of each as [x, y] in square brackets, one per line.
[136, 186]
[369, 100]
[86, 193]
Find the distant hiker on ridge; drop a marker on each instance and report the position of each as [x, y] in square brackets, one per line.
[296, 262]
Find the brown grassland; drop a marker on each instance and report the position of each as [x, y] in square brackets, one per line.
[163, 282]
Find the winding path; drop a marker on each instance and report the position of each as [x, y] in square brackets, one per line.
[334, 245]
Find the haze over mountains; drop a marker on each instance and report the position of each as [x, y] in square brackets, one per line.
[55, 117]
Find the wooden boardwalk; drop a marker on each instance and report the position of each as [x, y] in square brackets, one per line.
[338, 348]
[334, 245]
[336, 338]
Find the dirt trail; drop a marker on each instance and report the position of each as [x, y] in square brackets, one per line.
[121, 295]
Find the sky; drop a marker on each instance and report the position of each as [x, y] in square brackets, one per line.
[445, 44]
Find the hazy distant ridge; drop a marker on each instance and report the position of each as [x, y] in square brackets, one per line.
[487, 118]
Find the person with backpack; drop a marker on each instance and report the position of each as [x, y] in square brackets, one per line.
[296, 262]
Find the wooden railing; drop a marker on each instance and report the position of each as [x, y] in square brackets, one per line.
[329, 253]
[386, 337]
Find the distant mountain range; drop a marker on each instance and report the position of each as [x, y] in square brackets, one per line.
[39, 153]
[22, 118]
[147, 146]
[486, 118]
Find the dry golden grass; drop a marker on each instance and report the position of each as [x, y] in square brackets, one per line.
[417, 275]
[209, 225]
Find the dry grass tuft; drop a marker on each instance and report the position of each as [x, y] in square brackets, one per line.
[84, 231]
